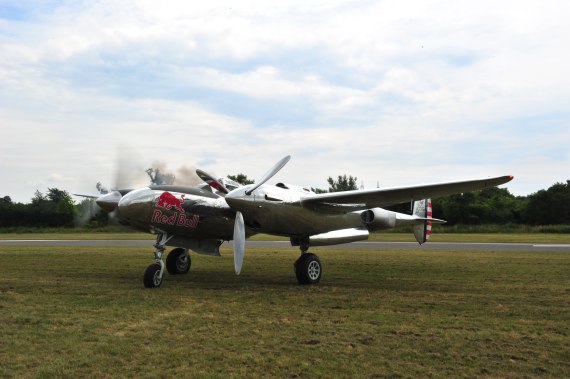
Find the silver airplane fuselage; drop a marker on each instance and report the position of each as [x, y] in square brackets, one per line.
[195, 212]
[192, 212]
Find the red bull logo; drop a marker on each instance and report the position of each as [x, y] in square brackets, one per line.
[179, 218]
[169, 201]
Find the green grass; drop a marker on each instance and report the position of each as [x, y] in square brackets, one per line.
[83, 312]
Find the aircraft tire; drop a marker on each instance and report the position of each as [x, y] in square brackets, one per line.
[178, 261]
[308, 269]
[152, 278]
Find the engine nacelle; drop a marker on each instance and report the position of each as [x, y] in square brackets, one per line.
[378, 218]
[421, 220]
[335, 237]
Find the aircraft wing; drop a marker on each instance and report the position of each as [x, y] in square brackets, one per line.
[363, 199]
[87, 195]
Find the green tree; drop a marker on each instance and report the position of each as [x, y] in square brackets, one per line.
[54, 209]
[489, 206]
[241, 179]
[38, 197]
[64, 207]
[343, 183]
[549, 207]
[7, 214]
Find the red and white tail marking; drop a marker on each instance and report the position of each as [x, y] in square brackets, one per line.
[428, 223]
[423, 213]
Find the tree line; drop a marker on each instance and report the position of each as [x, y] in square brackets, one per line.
[489, 206]
[56, 208]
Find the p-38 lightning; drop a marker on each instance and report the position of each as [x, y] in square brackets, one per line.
[201, 218]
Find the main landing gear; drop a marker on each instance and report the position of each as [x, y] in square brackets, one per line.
[177, 262]
[308, 267]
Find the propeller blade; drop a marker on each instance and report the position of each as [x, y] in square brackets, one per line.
[239, 242]
[211, 181]
[129, 172]
[269, 174]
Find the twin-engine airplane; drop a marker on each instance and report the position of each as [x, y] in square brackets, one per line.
[201, 218]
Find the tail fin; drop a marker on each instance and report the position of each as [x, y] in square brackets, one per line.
[423, 214]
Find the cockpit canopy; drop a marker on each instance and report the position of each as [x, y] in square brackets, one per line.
[294, 188]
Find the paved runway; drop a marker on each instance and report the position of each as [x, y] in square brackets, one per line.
[354, 245]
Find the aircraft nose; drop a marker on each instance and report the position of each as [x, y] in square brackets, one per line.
[238, 200]
[135, 205]
[109, 201]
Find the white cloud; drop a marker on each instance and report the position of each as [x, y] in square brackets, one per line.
[414, 91]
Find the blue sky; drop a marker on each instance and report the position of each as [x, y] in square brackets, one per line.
[393, 93]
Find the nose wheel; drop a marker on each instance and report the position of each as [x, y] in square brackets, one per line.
[153, 276]
[154, 273]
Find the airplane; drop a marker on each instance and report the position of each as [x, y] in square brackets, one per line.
[201, 218]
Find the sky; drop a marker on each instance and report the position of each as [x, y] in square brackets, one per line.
[393, 92]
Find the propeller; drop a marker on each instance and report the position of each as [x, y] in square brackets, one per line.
[239, 242]
[128, 174]
[269, 174]
[239, 225]
[212, 182]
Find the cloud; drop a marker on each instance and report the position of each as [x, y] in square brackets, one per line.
[389, 92]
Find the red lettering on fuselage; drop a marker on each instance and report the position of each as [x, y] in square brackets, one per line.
[160, 218]
[186, 222]
[178, 219]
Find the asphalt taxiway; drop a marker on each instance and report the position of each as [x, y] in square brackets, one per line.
[354, 245]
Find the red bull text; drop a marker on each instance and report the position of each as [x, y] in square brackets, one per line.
[179, 218]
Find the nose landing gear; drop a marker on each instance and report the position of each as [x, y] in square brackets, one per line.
[154, 272]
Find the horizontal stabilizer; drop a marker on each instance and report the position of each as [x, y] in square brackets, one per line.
[430, 219]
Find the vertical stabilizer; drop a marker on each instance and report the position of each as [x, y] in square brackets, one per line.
[422, 211]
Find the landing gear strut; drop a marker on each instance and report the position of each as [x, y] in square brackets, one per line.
[154, 272]
[308, 267]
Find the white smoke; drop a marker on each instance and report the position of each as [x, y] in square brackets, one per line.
[182, 176]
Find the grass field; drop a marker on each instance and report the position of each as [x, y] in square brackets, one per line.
[83, 312]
